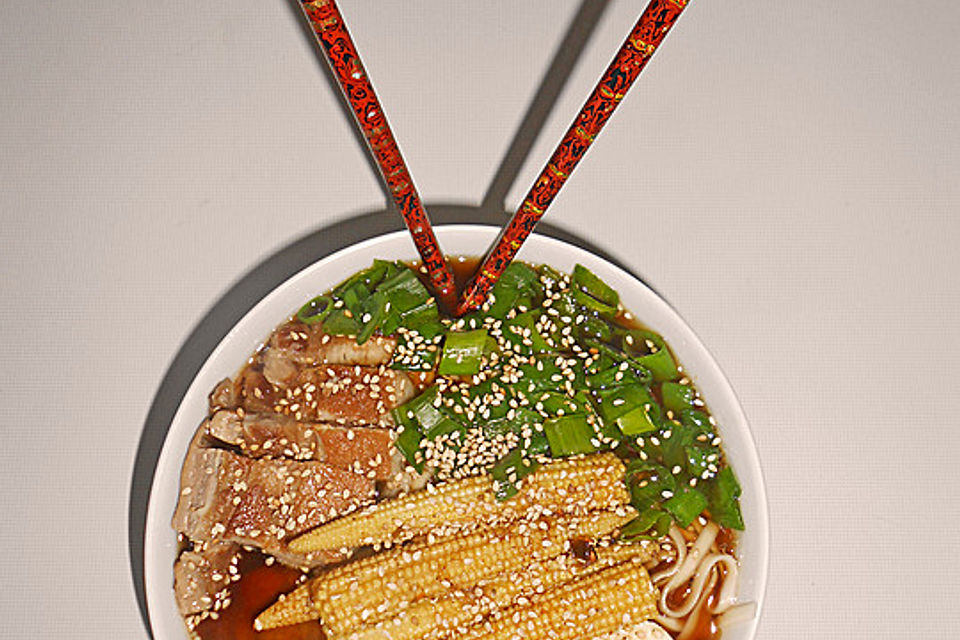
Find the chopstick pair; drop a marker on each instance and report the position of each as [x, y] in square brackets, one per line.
[630, 60]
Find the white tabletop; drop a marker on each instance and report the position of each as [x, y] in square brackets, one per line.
[785, 174]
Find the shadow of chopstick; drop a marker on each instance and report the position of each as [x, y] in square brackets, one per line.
[544, 99]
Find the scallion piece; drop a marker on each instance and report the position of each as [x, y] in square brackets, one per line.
[408, 437]
[556, 404]
[408, 443]
[372, 314]
[616, 402]
[509, 470]
[544, 374]
[685, 506]
[418, 317]
[638, 420]
[316, 310]
[404, 290]
[431, 420]
[569, 435]
[521, 332]
[648, 483]
[696, 420]
[649, 349]
[723, 497]
[549, 276]
[593, 293]
[651, 524]
[516, 282]
[463, 353]
[597, 329]
[338, 323]
[677, 397]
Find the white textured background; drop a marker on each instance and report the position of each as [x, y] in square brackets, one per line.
[785, 173]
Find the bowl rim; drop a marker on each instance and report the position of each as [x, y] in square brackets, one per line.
[160, 539]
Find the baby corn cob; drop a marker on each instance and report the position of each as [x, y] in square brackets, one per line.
[371, 589]
[575, 485]
[447, 615]
[621, 595]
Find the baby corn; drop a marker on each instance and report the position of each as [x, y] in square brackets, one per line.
[621, 595]
[447, 615]
[575, 485]
[374, 588]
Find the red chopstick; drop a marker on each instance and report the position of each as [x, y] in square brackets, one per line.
[651, 29]
[332, 34]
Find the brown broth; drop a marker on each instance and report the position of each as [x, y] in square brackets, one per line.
[259, 586]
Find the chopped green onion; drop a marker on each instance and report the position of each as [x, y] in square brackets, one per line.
[316, 310]
[404, 290]
[354, 297]
[542, 375]
[509, 470]
[651, 524]
[549, 276]
[521, 277]
[463, 353]
[677, 397]
[569, 435]
[648, 483]
[521, 332]
[556, 404]
[619, 401]
[408, 443]
[638, 420]
[723, 499]
[338, 323]
[421, 318]
[518, 281]
[685, 506]
[698, 459]
[597, 329]
[373, 310]
[433, 421]
[408, 437]
[696, 420]
[594, 293]
[649, 349]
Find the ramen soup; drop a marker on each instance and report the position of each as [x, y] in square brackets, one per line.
[540, 468]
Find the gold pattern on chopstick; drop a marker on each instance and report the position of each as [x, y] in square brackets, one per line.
[583, 134]
[642, 46]
[606, 92]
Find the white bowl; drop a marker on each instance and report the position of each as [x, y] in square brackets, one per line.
[160, 545]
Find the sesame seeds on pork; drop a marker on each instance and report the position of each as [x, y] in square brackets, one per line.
[301, 435]
[345, 394]
[363, 450]
[263, 502]
[308, 345]
[202, 576]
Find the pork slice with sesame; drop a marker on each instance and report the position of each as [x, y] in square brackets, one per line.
[342, 394]
[367, 451]
[264, 502]
[202, 575]
[295, 345]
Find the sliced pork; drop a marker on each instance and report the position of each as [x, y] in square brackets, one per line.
[345, 394]
[264, 502]
[308, 345]
[367, 451]
[202, 576]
